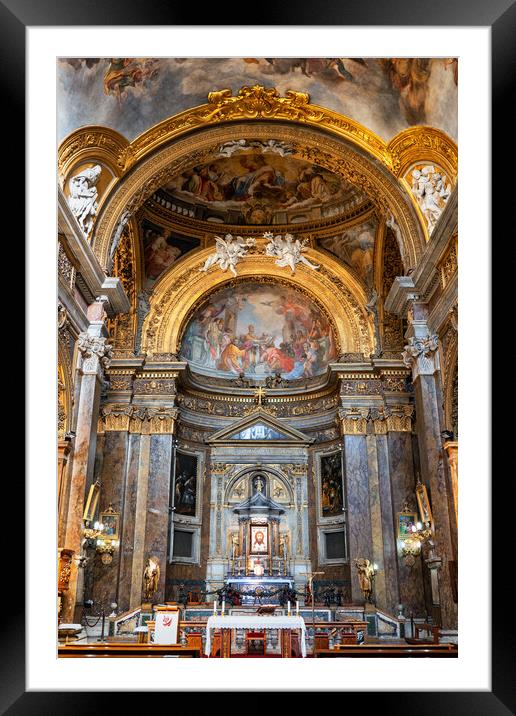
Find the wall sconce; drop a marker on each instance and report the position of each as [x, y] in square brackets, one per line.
[103, 538]
[411, 545]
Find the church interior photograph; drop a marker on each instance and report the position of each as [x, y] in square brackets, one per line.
[257, 357]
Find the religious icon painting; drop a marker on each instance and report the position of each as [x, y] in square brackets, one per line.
[111, 521]
[405, 522]
[259, 543]
[331, 493]
[186, 484]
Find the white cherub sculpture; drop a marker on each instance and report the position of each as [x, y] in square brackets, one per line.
[287, 251]
[228, 253]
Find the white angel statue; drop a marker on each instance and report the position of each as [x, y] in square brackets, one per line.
[228, 253]
[287, 251]
[83, 197]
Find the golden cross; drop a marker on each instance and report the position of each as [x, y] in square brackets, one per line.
[259, 393]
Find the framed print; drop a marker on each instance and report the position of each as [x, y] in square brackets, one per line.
[181, 174]
[111, 522]
[423, 502]
[405, 522]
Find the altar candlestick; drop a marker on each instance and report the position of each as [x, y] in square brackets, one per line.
[288, 608]
[223, 606]
[215, 608]
[297, 608]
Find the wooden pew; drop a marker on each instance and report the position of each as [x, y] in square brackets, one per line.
[390, 650]
[124, 650]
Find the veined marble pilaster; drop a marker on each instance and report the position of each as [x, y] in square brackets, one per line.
[376, 522]
[422, 355]
[158, 495]
[142, 479]
[94, 354]
[359, 518]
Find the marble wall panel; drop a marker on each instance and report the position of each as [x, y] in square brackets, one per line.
[402, 488]
[128, 523]
[105, 576]
[388, 526]
[359, 519]
[377, 556]
[157, 523]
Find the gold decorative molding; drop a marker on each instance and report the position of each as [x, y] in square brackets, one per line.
[448, 265]
[423, 144]
[184, 288]
[344, 147]
[91, 143]
[353, 420]
[400, 418]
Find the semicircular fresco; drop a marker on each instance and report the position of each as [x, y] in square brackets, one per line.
[259, 330]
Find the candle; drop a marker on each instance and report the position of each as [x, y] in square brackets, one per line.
[215, 608]
[223, 606]
[297, 608]
[288, 608]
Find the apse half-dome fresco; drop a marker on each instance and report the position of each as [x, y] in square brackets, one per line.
[260, 330]
[254, 182]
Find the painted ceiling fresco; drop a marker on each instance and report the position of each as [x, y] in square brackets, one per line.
[355, 247]
[259, 329]
[132, 94]
[256, 183]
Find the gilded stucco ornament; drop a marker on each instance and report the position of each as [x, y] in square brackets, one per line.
[345, 147]
[183, 289]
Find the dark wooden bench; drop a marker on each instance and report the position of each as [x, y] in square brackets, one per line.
[122, 650]
[390, 650]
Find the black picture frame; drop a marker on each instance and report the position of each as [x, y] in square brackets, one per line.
[499, 15]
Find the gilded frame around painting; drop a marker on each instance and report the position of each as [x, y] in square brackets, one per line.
[92, 503]
[425, 511]
[111, 522]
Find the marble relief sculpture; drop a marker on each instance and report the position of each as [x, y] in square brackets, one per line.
[83, 197]
[432, 190]
[228, 253]
[287, 251]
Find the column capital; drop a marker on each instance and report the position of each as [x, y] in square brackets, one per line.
[421, 355]
[96, 353]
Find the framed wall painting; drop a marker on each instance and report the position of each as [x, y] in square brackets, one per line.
[501, 15]
[92, 502]
[405, 522]
[423, 503]
[111, 521]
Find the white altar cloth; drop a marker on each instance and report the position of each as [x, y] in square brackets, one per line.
[256, 623]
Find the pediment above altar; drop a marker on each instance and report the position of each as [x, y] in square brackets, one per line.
[260, 427]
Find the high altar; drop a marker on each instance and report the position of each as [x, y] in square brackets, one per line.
[262, 510]
[260, 564]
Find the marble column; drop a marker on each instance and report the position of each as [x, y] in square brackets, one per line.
[63, 452]
[422, 356]
[140, 522]
[359, 516]
[94, 354]
[375, 510]
[390, 565]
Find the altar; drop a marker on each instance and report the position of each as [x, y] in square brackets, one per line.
[284, 624]
[259, 590]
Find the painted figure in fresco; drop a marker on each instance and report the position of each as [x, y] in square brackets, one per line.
[83, 197]
[298, 340]
[125, 72]
[159, 254]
